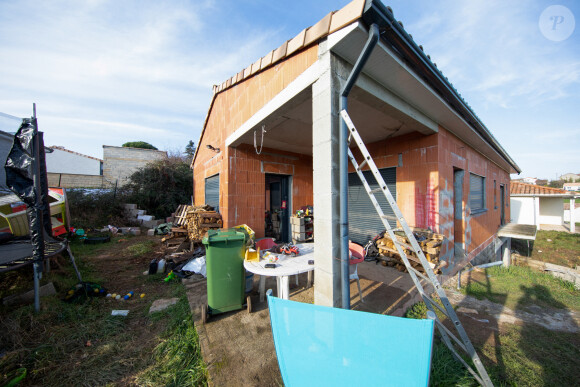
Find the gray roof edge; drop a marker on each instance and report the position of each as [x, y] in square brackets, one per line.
[376, 12]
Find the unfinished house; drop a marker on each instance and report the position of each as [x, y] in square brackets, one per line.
[270, 143]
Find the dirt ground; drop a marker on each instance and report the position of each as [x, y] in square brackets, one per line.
[238, 347]
[119, 271]
[239, 350]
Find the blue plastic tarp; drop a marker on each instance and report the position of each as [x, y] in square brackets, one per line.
[322, 346]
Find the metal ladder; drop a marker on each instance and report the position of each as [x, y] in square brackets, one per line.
[464, 343]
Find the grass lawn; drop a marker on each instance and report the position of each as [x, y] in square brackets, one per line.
[519, 287]
[556, 247]
[82, 344]
[522, 354]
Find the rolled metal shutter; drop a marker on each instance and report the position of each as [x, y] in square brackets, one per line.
[363, 221]
[212, 191]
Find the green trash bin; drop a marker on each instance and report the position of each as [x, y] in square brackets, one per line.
[224, 257]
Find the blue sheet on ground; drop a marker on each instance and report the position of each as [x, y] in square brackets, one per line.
[322, 346]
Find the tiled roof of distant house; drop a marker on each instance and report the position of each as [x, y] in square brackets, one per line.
[523, 189]
[62, 148]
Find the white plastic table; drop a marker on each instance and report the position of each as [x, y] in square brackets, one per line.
[285, 267]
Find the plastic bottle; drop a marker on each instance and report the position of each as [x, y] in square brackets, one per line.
[161, 266]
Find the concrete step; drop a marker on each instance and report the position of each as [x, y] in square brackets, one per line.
[128, 206]
[136, 213]
[145, 218]
[152, 223]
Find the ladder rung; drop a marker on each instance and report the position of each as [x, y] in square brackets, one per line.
[417, 272]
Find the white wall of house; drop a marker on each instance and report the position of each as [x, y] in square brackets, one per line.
[522, 210]
[61, 161]
[551, 211]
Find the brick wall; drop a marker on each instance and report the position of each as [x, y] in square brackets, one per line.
[229, 110]
[475, 231]
[119, 163]
[67, 180]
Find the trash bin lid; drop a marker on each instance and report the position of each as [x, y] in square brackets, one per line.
[217, 236]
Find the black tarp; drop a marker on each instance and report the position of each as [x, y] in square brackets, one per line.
[26, 177]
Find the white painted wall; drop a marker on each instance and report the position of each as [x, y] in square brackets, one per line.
[60, 161]
[522, 210]
[551, 211]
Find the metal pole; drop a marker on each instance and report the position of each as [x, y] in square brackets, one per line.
[343, 162]
[37, 226]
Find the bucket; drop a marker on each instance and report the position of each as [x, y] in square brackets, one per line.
[249, 281]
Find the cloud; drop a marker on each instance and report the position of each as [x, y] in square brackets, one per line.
[109, 69]
[514, 64]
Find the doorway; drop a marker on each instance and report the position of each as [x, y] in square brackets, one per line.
[458, 249]
[278, 207]
[502, 203]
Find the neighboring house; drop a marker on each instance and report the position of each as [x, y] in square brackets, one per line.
[119, 163]
[530, 180]
[570, 177]
[69, 169]
[571, 187]
[270, 142]
[532, 204]
[62, 160]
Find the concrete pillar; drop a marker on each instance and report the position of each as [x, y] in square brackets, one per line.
[537, 211]
[325, 133]
[572, 217]
[507, 252]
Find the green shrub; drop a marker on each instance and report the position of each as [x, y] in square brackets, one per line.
[161, 186]
[95, 208]
[417, 311]
[139, 144]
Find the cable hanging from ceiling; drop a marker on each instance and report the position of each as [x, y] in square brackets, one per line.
[262, 142]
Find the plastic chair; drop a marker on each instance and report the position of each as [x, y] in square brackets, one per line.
[265, 243]
[317, 346]
[357, 255]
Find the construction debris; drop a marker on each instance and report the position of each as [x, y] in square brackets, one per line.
[430, 244]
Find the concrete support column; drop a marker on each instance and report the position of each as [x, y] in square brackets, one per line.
[537, 211]
[572, 217]
[325, 176]
[507, 252]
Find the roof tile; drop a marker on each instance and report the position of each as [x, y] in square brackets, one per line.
[318, 30]
[517, 188]
[349, 13]
[280, 52]
[256, 66]
[266, 60]
[296, 43]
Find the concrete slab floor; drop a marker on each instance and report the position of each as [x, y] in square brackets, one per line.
[238, 347]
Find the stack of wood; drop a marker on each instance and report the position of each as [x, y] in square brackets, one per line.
[200, 220]
[430, 244]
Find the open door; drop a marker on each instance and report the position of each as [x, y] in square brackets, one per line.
[277, 222]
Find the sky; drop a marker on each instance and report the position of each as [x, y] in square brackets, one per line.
[105, 72]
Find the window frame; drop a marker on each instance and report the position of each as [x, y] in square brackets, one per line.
[483, 208]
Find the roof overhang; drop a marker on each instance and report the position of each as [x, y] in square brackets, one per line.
[518, 231]
[543, 195]
[398, 81]
[400, 42]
